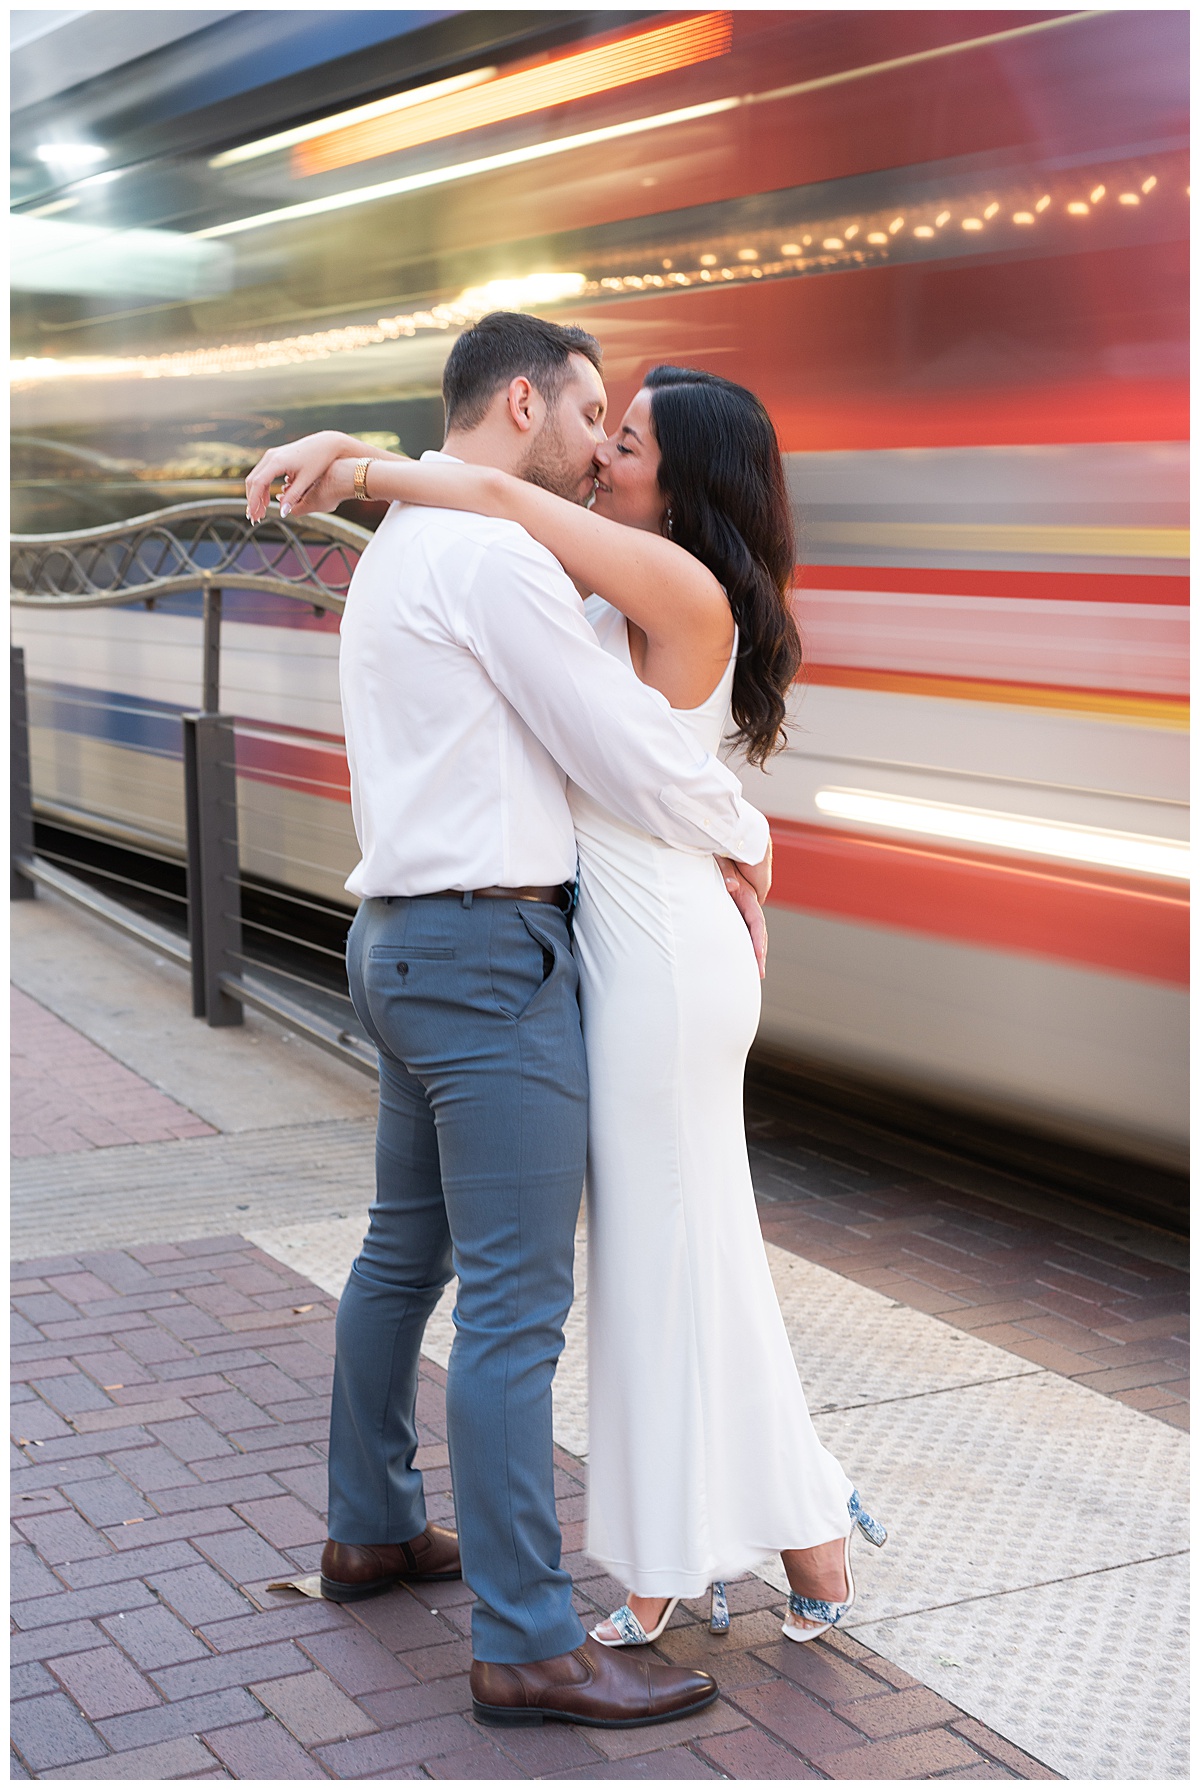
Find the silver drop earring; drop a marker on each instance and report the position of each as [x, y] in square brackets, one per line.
[670, 524]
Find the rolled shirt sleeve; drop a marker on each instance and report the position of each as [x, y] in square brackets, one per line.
[613, 735]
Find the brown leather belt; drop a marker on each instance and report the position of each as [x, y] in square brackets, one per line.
[553, 893]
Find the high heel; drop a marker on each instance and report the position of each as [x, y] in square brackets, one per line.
[816, 1610]
[630, 1632]
[718, 1609]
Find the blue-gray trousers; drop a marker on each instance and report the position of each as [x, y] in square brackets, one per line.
[479, 1171]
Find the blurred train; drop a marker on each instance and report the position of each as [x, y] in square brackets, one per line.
[949, 250]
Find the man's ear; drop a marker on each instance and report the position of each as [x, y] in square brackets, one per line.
[523, 403]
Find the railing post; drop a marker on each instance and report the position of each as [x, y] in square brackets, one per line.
[21, 887]
[211, 694]
[214, 894]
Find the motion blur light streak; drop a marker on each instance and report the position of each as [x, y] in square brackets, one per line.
[1074, 915]
[655, 52]
[836, 251]
[302, 133]
[92, 260]
[70, 155]
[588, 139]
[534, 289]
[516, 295]
[1014, 832]
[574, 77]
[487, 164]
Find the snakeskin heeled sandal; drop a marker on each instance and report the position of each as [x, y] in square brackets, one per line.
[630, 1632]
[817, 1611]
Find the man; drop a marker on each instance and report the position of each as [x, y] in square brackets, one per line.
[472, 687]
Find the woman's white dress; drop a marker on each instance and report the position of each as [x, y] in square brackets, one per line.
[703, 1459]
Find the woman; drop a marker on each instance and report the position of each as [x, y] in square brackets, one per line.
[703, 1456]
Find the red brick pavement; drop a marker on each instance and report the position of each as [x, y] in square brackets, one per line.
[1089, 1310]
[68, 1094]
[171, 1414]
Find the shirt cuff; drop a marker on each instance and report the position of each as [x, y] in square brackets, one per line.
[751, 847]
[745, 835]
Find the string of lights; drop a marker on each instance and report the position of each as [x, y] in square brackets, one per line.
[935, 229]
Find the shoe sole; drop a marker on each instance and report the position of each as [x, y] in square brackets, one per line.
[493, 1717]
[336, 1593]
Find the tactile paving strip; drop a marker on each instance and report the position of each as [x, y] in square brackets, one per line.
[1090, 1675]
[1022, 1482]
[897, 1352]
[160, 1193]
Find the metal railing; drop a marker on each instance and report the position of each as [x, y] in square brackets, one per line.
[210, 548]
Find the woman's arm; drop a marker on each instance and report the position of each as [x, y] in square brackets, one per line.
[302, 465]
[660, 587]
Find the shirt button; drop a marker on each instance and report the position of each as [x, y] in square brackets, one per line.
[402, 969]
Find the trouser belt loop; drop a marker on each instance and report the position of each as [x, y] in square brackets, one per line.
[469, 898]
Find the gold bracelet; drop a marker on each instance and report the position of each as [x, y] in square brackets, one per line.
[360, 480]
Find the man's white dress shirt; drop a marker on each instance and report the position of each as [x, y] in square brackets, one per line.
[472, 688]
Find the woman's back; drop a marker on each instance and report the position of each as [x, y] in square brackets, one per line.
[708, 724]
[691, 1479]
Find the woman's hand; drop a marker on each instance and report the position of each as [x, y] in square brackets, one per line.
[310, 472]
[748, 905]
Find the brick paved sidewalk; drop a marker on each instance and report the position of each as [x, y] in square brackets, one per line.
[172, 1403]
[68, 1094]
[1090, 1310]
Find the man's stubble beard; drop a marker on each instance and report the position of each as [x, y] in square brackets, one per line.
[546, 467]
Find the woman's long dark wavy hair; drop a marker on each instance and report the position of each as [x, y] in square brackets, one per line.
[721, 474]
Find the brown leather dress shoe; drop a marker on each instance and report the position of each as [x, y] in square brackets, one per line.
[598, 1686]
[350, 1571]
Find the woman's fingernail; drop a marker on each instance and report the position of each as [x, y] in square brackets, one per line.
[285, 509]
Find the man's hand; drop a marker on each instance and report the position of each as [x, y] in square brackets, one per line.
[758, 875]
[748, 905]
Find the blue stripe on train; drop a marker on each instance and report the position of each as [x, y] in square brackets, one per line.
[112, 715]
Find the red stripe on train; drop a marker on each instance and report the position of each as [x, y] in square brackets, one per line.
[1129, 926]
[294, 764]
[1071, 587]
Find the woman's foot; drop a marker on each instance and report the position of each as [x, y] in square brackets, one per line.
[648, 1610]
[819, 1573]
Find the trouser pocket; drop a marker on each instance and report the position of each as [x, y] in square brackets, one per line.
[530, 953]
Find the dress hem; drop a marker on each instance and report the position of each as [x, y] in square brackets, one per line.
[680, 1583]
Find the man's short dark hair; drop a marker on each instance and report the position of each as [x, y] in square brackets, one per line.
[507, 345]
